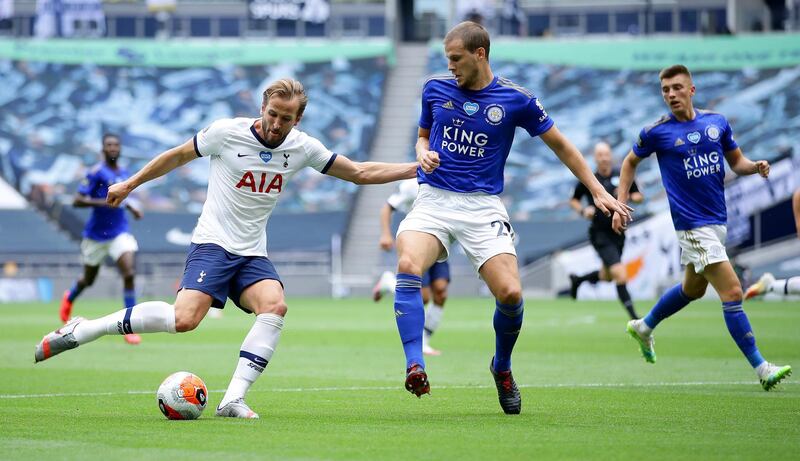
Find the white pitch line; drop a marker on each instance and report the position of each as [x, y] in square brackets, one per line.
[394, 388]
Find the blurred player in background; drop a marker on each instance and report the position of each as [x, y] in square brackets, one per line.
[435, 280]
[106, 232]
[252, 161]
[466, 129]
[768, 283]
[607, 243]
[690, 144]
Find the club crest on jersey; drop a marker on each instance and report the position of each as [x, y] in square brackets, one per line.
[494, 114]
[712, 132]
[471, 107]
[693, 137]
[265, 156]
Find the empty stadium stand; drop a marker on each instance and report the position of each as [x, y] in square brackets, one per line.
[25, 231]
[56, 113]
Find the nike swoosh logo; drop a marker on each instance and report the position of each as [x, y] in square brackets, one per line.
[241, 155]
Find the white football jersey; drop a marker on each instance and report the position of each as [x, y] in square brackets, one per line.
[404, 197]
[246, 180]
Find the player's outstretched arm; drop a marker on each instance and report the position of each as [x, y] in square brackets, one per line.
[83, 201]
[626, 175]
[371, 172]
[573, 159]
[743, 166]
[162, 164]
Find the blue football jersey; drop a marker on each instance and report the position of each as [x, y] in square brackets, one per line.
[105, 223]
[473, 130]
[691, 157]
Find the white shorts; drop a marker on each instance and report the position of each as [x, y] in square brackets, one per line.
[703, 246]
[478, 221]
[94, 252]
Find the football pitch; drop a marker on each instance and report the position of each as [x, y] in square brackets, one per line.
[334, 389]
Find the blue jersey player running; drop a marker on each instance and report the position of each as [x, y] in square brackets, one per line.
[106, 232]
[690, 145]
[465, 133]
[252, 161]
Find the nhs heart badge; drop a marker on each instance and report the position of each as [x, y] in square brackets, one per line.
[265, 156]
[471, 107]
[693, 137]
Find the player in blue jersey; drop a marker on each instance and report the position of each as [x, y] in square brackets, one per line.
[465, 133]
[690, 145]
[106, 232]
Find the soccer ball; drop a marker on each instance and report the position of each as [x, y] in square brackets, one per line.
[182, 396]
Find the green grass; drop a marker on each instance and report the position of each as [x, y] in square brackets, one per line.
[334, 389]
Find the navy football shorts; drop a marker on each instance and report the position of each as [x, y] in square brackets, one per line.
[439, 270]
[220, 274]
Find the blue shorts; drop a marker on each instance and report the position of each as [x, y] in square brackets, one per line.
[219, 274]
[437, 271]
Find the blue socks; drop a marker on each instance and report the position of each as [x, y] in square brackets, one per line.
[507, 322]
[671, 302]
[409, 313]
[739, 328]
[130, 298]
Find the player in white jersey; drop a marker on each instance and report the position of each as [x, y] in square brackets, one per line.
[252, 161]
[434, 281]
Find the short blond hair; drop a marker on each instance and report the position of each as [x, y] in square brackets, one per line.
[287, 88]
[472, 34]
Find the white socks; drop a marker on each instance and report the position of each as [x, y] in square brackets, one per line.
[793, 286]
[147, 317]
[785, 287]
[433, 316]
[762, 369]
[642, 327]
[254, 355]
